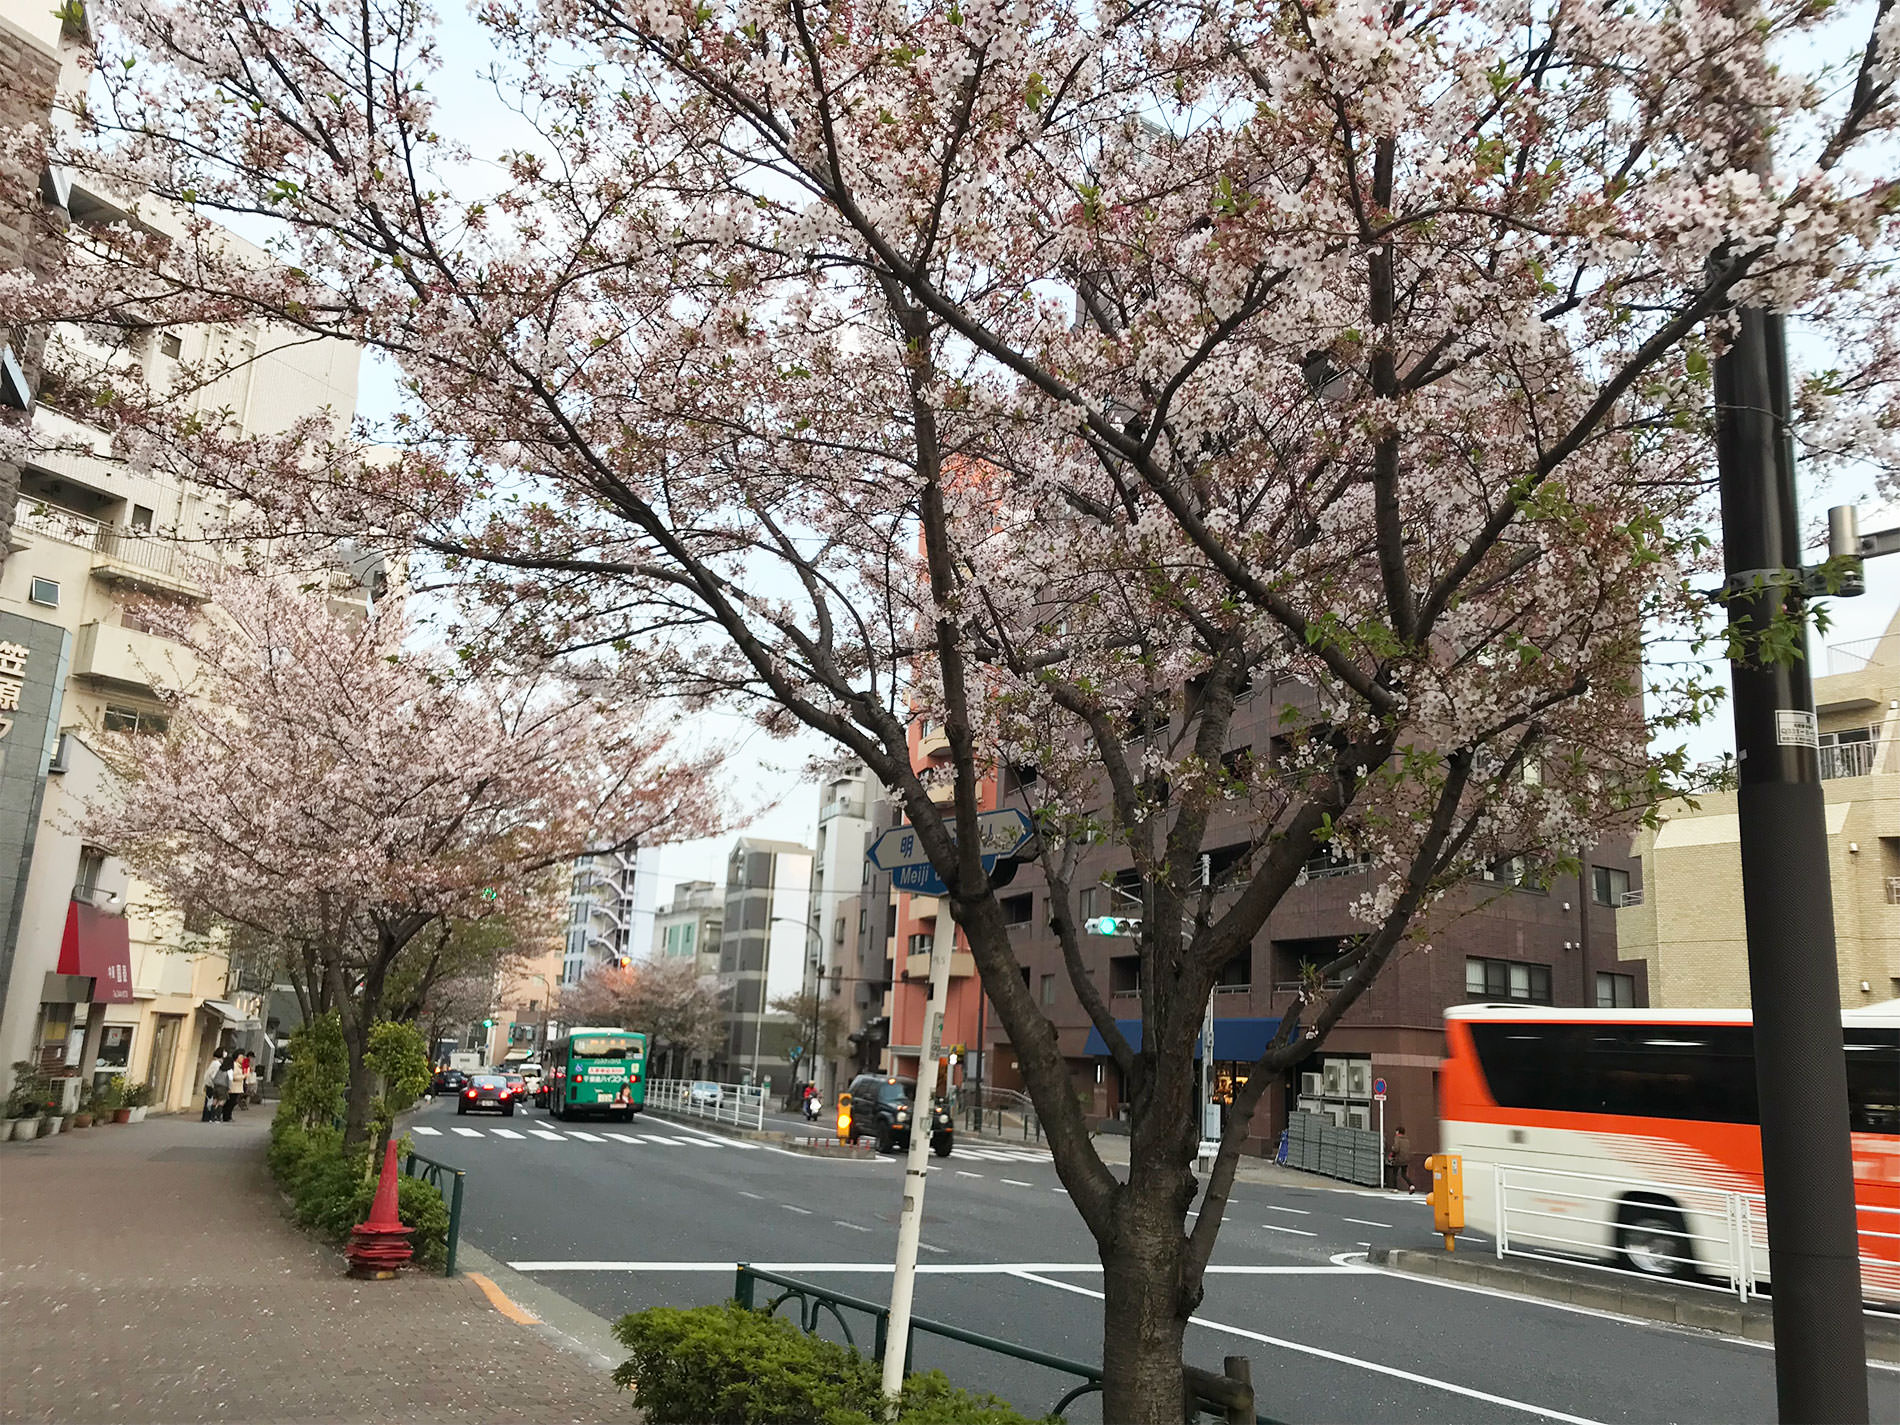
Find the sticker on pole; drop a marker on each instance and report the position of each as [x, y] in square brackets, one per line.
[1796, 728]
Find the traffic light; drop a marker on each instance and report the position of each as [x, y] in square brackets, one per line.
[488, 1024]
[623, 962]
[1112, 925]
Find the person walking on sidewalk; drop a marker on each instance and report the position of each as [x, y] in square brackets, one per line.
[1398, 1158]
[211, 1088]
[228, 1086]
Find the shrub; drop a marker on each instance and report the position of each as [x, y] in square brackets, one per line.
[726, 1365]
[317, 1082]
[331, 1191]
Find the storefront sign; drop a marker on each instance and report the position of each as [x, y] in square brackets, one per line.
[34, 660]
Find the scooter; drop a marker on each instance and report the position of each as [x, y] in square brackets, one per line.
[812, 1108]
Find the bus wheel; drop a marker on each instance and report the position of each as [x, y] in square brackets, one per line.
[1652, 1240]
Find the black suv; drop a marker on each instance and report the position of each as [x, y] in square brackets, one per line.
[881, 1108]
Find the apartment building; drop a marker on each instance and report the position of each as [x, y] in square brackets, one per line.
[97, 974]
[839, 906]
[610, 911]
[688, 926]
[1684, 923]
[765, 942]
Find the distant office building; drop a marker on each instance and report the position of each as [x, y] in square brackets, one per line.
[764, 944]
[1686, 923]
[839, 904]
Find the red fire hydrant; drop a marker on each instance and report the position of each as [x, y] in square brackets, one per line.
[381, 1245]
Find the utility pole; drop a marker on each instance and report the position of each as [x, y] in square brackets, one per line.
[1800, 1065]
[922, 1118]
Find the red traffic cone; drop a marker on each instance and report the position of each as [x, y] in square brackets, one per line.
[380, 1245]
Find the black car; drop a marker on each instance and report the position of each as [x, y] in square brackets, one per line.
[881, 1108]
[448, 1081]
[486, 1091]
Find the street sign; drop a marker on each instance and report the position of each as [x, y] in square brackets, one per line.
[1378, 1088]
[793, 1052]
[1000, 835]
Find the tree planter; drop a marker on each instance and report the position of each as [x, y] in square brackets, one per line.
[82, 1119]
[49, 1127]
[6, 1130]
[25, 1129]
[121, 1115]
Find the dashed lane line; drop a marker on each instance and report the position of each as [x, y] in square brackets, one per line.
[1292, 1231]
[1017, 1182]
[1367, 1222]
[1296, 1211]
[794, 1207]
[851, 1226]
[962, 1174]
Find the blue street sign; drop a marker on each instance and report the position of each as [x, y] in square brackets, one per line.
[1000, 835]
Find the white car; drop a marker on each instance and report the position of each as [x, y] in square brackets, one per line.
[530, 1071]
[705, 1094]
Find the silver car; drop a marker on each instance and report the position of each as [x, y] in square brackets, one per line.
[704, 1093]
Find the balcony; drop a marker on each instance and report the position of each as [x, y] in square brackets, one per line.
[114, 654]
[128, 557]
[840, 806]
[1851, 758]
[942, 793]
[1629, 898]
[962, 966]
[1893, 890]
[934, 743]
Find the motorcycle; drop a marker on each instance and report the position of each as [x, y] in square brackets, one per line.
[812, 1108]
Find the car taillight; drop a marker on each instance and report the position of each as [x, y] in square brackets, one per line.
[469, 1094]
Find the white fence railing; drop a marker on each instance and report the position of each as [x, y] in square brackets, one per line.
[1703, 1237]
[738, 1105]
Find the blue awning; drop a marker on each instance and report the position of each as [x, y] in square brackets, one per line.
[1235, 1040]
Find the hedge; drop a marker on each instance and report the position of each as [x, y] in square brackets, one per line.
[727, 1365]
[331, 1191]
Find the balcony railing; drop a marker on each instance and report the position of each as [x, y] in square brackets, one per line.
[1850, 759]
[137, 549]
[1630, 898]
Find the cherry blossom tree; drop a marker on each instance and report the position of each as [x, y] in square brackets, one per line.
[681, 1013]
[373, 805]
[1068, 375]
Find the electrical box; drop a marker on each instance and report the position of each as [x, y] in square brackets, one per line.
[1448, 1193]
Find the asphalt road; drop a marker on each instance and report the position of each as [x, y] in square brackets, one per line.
[618, 1217]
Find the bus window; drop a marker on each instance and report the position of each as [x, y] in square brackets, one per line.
[1873, 1081]
[1701, 1072]
[604, 1046]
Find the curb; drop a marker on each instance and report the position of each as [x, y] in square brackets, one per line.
[1604, 1291]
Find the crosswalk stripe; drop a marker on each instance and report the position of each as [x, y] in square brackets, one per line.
[551, 1137]
[428, 1132]
[505, 1133]
[584, 1137]
[623, 1138]
[469, 1132]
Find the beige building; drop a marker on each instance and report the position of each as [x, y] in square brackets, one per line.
[97, 975]
[1686, 918]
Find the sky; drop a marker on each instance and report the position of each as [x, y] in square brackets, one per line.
[763, 776]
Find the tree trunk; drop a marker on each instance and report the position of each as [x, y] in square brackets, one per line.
[356, 1113]
[1145, 1314]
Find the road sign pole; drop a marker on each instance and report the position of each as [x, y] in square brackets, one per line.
[922, 1119]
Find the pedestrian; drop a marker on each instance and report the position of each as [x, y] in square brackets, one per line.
[228, 1086]
[1399, 1157]
[251, 1094]
[241, 1080]
[211, 1089]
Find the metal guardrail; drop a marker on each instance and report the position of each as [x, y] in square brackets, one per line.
[1229, 1397]
[433, 1172]
[738, 1105]
[1579, 1219]
[1003, 1113]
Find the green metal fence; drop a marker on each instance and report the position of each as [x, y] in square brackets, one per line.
[1228, 1397]
[430, 1171]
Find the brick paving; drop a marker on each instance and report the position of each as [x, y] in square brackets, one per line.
[148, 1274]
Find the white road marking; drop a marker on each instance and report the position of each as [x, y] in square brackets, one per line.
[1294, 1231]
[584, 1137]
[551, 1137]
[972, 1269]
[623, 1137]
[1296, 1211]
[851, 1225]
[1063, 1191]
[794, 1207]
[753, 1195]
[505, 1133]
[718, 1142]
[657, 1141]
[1302, 1349]
[962, 1174]
[1017, 1182]
[1367, 1222]
[427, 1132]
[469, 1132]
[926, 1247]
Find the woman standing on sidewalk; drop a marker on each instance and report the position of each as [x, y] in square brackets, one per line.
[211, 1087]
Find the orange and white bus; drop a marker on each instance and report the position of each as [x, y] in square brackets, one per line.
[1633, 1136]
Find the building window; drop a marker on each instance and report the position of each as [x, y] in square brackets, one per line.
[1237, 973]
[1124, 974]
[1616, 991]
[1018, 910]
[119, 718]
[44, 591]
[171, 345]
[1507, 980]
[890, 920]
[91, 862]
[920, 944]
[141, 518]
[1609, 884]
[1048, 989]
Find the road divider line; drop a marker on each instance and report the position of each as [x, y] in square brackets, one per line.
[1296, 1211]
[852, 1226]
[1017, 1182]
[1367, 1222]
[926, 1247]
[1291, 1231]
[794, 1207]
[1300, 1348]
[962, 1174]
[498, 1299]
[753, 1195]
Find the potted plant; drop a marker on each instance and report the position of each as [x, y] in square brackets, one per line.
[108, 1101]
[26, 1102]
[83, 1118]
[138, 1098]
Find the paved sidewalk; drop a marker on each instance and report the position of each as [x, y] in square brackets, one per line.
[148, 1274]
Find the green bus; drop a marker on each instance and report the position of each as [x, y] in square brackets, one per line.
[596, 1071]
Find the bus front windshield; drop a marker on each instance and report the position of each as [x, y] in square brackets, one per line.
[605, 1046]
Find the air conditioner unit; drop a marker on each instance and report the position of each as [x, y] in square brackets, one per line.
[59, 763]
[1310, 1085]
[1358, 1116]
[1335, 1078]
[1310, 1105]
[1359, 1078]
[1335, 1114]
